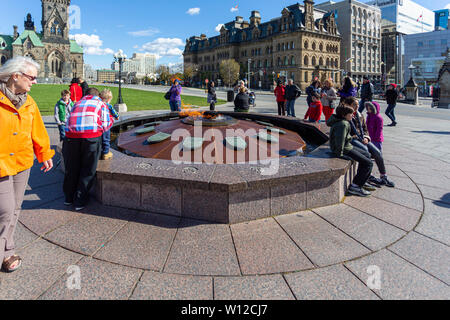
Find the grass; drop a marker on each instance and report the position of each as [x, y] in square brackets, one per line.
[46, 97]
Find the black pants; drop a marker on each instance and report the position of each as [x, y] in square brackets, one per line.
[212, 106]
[374, 153]
[281, 108]
[80, 160]
[365, 165]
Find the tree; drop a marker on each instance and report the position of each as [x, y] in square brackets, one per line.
[188, 73]
[164, 73]
[229, 71]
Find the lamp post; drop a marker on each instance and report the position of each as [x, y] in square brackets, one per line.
[346, 63]
[249, 62]
[411, 69]
[120, 57]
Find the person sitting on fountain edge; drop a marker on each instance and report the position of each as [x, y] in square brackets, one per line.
[340, 145]
[361, 139]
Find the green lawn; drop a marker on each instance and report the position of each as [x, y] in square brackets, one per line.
[46, 97]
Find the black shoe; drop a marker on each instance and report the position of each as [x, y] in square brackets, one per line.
[375, 182]
[358, 191]
[394, 124]
[387, 182]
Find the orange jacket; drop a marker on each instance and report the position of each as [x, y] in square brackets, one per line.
[22, 135]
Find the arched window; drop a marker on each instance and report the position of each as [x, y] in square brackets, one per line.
[306, 44]
[313, 61]
[286, 61]
[279, 61]
[320, 61]
[328, 62]
[293, 61]
[306, 61]
[314, 46]
[278, 47]
[321, 47]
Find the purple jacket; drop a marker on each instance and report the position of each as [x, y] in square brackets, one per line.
[375, 124]
[350, 93]
[175, 93]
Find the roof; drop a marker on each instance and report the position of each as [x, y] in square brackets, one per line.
[7, 41]
[74, 47]
[34, 37]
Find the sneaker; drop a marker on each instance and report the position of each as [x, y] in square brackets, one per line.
[79, 208]
[393, 124]
[375, 182]
[386, 182]
[107, 156]
[369, 187]
[68, 204]
[358, 191]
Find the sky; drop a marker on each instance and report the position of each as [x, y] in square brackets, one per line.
[158, 27]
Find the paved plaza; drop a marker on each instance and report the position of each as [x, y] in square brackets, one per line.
[393, 245]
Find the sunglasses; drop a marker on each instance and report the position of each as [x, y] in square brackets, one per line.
[31, 78]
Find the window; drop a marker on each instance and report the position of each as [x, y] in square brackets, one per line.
[306, 61]
[443, 42]
[420, 44]
[293, 61]
[431, 43]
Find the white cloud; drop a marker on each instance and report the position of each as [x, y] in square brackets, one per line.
[91, 44]
[219, 26]
[144, 33]
[163, 47]
[234, 9]
[193, 11]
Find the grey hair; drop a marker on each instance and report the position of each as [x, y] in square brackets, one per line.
[290, 81]
[17, 65]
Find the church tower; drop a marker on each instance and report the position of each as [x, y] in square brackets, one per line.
[55, 20]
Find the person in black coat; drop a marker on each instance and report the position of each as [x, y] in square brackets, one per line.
[212, 97]
[241, 103]
[84, 86]
[391, 99]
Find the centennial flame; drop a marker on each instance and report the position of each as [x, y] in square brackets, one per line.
[186, 111]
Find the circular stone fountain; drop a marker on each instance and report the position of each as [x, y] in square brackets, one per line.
[221, 167]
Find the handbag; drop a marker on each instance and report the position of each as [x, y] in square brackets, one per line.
[167, 95]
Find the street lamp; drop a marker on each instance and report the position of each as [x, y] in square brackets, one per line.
[411, 69]
[120, 57]
[346, 63]
[249, 62]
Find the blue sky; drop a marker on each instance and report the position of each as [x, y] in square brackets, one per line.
[159, 27]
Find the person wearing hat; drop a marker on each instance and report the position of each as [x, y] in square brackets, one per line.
[280, 92]
[367, 91]
[175, 96]
[391, 99]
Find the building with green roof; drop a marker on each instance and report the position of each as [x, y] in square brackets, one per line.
[61, 59]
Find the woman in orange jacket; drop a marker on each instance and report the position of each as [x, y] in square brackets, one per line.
[22, 136]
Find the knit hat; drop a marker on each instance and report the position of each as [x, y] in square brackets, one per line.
[394, 85]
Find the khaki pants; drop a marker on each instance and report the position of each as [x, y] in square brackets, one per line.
[12, 190]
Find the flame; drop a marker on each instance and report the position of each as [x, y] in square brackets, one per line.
[188, 112]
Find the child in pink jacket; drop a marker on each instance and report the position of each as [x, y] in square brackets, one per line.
[375, 124]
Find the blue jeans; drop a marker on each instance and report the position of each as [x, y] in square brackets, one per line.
[175, 106]
[62, 132]
[374, 152]
[390, 112]
[362, 105]
[106, 142]
[290, 108]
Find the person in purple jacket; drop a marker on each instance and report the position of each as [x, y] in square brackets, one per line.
[175, 96]
[375, 124]
[349, 89]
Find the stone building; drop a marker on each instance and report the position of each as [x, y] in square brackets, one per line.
[302, 44]
[391, 48]
[61, 59]
[361, 46]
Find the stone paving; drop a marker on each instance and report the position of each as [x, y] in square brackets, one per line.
[324, 253]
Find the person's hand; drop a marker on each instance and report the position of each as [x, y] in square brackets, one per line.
[47, 166]
[366, 141]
